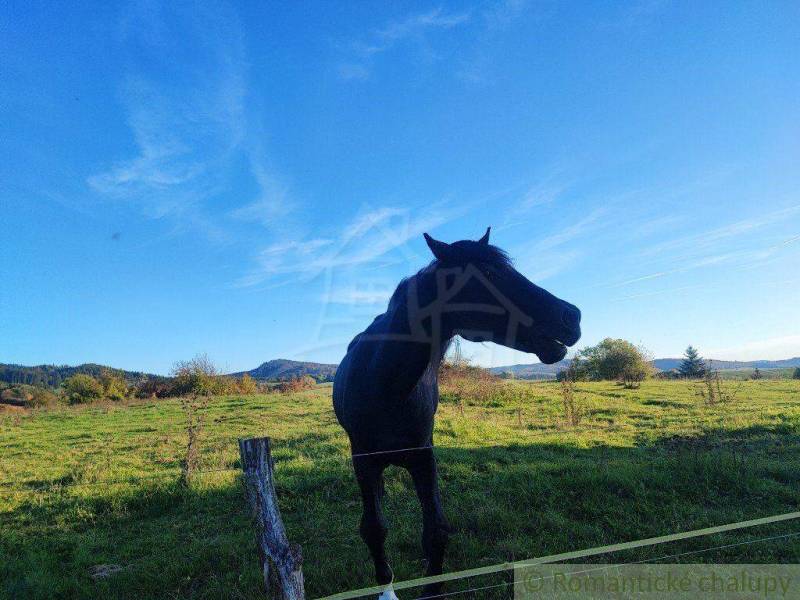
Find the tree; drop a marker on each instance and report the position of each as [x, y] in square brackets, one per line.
[796, 374]
[114, 386]
[196, 376]
[81, 388]
[613, 359]
[757, 373]
[693, 366]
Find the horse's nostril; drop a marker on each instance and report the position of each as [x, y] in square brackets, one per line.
[571, 317]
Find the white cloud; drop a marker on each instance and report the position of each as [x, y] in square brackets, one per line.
[571, 232]
[716, 235]
[190, 124]
[414, 27]
[367, 237]
[273, 202]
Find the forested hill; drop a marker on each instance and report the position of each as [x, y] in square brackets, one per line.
[282, 369]
[53, 375]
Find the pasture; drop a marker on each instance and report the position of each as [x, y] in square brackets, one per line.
[99, 485]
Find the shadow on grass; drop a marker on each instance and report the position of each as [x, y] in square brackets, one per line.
[508, 503]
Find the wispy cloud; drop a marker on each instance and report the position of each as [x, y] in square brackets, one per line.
[724, 245]
[189, 126]
[736, 257]
[571, 232]
[540, 194]
[369, 236]
[272, 203]
[731, 230]
[414, 27]
[554, 253]
[697, 286]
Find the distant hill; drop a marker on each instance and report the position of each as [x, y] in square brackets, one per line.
[53, 375]
[282, 369]
[666, 364]
[533, 371]
[542, 371]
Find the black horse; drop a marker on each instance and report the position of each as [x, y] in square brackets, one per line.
[386, 392]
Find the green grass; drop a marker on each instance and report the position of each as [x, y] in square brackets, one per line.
[641, 463]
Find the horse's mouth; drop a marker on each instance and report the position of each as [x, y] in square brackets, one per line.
[549, 350]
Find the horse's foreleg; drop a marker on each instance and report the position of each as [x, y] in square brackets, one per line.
[435, 529]
[369, 473]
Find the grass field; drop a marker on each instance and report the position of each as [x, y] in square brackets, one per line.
[90, 486]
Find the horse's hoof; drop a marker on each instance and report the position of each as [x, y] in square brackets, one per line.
[388, 594]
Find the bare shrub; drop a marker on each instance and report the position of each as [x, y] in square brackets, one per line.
[462, 383]
[573, 413]
[192, 408]
[713, 392]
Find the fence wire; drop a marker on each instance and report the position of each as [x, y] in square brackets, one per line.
[344, 458]
[617, 565]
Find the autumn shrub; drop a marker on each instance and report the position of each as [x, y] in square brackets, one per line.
[82, 388]
[296, 384]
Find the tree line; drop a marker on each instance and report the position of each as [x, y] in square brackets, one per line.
[196, 377]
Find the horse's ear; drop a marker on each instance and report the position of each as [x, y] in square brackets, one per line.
[485, 239]
[441, 250]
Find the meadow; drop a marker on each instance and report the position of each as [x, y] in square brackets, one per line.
[86, 486]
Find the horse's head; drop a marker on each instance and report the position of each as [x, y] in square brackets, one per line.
[483, 298]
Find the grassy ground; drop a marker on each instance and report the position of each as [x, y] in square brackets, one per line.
[99, 485]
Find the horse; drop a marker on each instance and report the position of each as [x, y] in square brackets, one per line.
[385, 391]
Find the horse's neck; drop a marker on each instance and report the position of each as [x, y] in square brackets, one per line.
[407, 353]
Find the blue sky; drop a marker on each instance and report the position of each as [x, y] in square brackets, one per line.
[252, 180]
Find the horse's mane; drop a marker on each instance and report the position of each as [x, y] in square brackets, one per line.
[465, 252]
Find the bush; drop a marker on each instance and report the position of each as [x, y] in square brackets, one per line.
[154, 387]
[247, 385]
[298, 384]
[81, 388]
[613, 360]
[197, 377]
[114, 385]
[40, 397]
[796, 374]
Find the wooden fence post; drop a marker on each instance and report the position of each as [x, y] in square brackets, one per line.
[281, 562]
